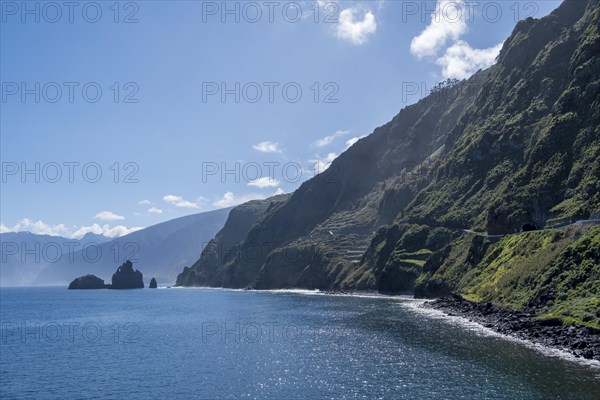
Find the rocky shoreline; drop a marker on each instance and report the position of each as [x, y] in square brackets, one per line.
[581, 341]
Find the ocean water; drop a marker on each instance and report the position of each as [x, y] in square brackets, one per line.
[219, 344]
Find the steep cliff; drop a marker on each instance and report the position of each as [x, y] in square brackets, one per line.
[515, 146]
[221, 251]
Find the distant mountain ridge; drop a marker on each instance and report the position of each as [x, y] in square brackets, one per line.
[23, 255]
[160, 250]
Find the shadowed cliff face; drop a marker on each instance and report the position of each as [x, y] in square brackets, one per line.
[222, 250]
[517, 143]
[363, 189]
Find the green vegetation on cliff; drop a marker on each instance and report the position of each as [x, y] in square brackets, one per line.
[554, 273]
[515, 145]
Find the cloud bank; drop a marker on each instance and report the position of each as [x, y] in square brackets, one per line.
[41, 228]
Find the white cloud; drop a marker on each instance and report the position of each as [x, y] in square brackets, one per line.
[105, 230]
[320, 164]
[279, 191]
[180, 202]
[37, 227]
[229, 199]
[352, 141]
[108, 216]
[264, 182]
[447, 23]
[171, 198]
[267, 147]
[201, 200]
[461, 60]
[41, 228]
[144, 202]
[354, 30]
[154, 210]
[327, 140]
[443, 35]
[186, 204]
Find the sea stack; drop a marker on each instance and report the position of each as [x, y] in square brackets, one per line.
[153, 284]
[88, 282]
[127, 278]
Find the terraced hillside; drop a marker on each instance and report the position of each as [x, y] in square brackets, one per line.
[516, 146]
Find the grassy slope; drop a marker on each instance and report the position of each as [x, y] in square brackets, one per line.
[554, 273]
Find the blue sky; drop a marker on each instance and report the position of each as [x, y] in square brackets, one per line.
[179, 103]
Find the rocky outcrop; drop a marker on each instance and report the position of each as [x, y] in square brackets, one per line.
[88, 282]
[153, 284]
[162, 249]
[127, 278]
[581, 341]
[124, 278]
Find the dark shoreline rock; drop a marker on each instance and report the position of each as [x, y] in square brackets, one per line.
[153, 284]
[581, 341]
[88, 282]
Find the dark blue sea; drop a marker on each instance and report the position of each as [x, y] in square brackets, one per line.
[219, 344]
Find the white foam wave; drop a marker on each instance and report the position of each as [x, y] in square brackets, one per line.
[417, 306]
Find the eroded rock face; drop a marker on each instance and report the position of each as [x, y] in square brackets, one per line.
[127, 278]
[88, 282]
[209, 269]
[153, 284]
